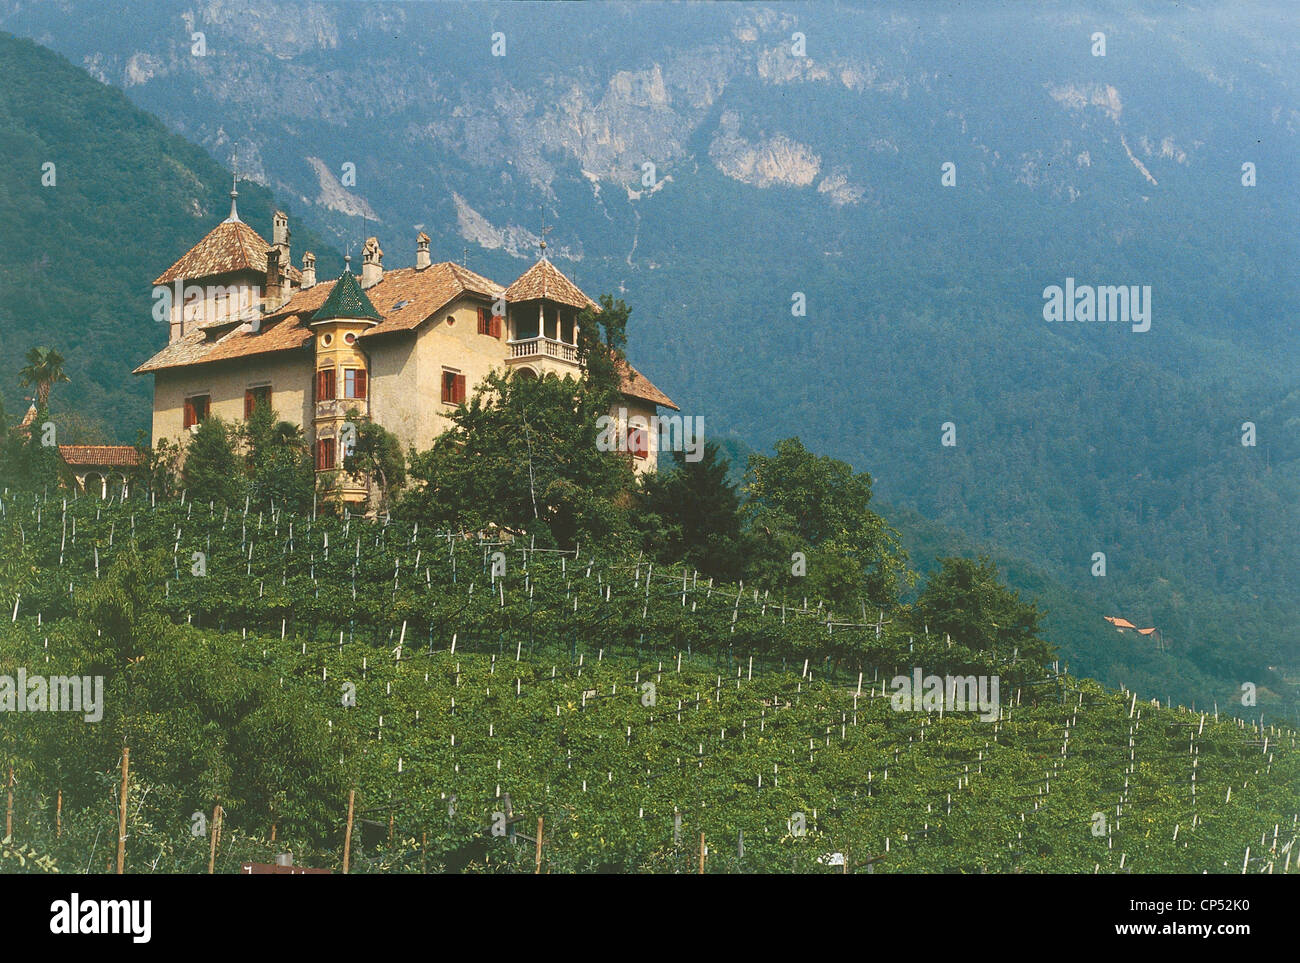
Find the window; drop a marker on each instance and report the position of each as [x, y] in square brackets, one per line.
[489, 323]
[349, 338]
[354, 383]
[196, 409]
[327, 340]
[453, 388]
[253, 397]
[638, 440]
[325, 454]
[325, 384]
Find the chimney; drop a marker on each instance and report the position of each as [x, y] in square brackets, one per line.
[422, 252]
[308, 270]
[372, 263]
[273, 280]
[280, 235]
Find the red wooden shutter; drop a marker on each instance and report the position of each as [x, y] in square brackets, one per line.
[638, 441]
[324, 454]
[483, 324]
[495, 326]
[325, 384]
[460, 388]
[361, 383]
[448, 386]
[189, 413]
[249, 403]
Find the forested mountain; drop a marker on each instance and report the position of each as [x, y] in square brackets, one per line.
[777, 174]
[99, 200]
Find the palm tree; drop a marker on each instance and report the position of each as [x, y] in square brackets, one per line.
[43, 371]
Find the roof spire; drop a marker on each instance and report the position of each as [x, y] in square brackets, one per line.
[541, 244]
[234, 193]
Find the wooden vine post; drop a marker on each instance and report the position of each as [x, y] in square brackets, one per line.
[9, 807]
[58, 817]
[538, 868]
[701, 854]
[216, 829]
[347, 836]
[121, 819]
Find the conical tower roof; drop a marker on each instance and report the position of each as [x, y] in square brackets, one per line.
[347, 300]
[545, 281]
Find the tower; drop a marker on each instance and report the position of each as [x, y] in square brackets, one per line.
[342, 389]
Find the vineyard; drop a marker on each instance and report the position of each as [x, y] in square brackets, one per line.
[361, 691]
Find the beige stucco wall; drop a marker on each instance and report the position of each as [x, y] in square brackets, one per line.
[407, 371]
[216, 298]
[290, 379]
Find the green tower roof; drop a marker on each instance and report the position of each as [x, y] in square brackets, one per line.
[347, 300]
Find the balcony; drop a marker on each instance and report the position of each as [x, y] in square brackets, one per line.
[533, 348]
[338, 408]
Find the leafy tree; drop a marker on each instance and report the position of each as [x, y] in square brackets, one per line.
[602, 335]
[522, 454]
[30, 463]
[125, 608]
[377, 455]
[965, 599]
[157, 468]
[817, 506]
[43, 370]
[278, 461]
[212, 472]
[692, 514]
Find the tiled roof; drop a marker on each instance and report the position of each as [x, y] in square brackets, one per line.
[273, 334]
[111, 456]
[230, 246]
[26, 424]
[346, 300]
[544, 280]
[423, 292]
[403, 299]
[636, 385]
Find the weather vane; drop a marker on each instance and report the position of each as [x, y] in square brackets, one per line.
[545, 230]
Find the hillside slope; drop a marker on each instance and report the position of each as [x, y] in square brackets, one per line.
[775, 174]
[122, 200]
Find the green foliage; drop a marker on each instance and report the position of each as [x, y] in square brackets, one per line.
[211, 470]
[158, 468]
[16, 858]
[797, 501]
[602, 336]
[522, 455]
[44, 369]
[230, 685]
[278, 462]
[377, 456]
[966, 600]
[690, 513]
